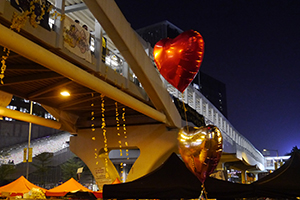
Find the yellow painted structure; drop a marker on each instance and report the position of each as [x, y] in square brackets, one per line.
[155, 142]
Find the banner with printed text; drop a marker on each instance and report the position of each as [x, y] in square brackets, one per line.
[76, 39]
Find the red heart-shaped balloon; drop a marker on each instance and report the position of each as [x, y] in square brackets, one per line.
[200, 149]
[178, 60]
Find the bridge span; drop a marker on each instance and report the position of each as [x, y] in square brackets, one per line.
[118, 99]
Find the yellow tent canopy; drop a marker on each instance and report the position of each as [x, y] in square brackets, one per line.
[19, 187]
[69, 186]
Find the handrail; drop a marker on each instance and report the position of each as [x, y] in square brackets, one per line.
[212, 115]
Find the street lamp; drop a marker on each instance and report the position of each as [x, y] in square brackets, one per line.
[276, 163]
[65, 93]
[272, 150]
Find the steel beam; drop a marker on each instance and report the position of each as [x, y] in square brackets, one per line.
[42, 56]
[125, 39]
[5, 112]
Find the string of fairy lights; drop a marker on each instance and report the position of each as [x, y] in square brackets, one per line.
[104, 132]
[103, 127]
[118, 132]
[125, 133]
[93, 126]
[119, 136]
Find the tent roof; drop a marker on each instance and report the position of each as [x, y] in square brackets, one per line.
[19, 187]
[172, 180]
[69, 186]
[283, 182]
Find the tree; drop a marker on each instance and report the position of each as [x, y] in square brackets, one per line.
[69, 168]
[294, 149]
[41, 163]
[5, 169]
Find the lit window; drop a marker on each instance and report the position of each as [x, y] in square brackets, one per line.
[11, 107]
[24, 110]
[196, 86]
[51, 22]
[49, 116]
[8, 119]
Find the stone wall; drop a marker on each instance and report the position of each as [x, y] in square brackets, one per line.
[16, 132]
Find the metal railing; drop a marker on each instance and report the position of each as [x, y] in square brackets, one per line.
[212, 115]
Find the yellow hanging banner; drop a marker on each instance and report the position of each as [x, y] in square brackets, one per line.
[25, 155]
[30, 155]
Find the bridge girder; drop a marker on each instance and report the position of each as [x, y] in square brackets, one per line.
[125, 39]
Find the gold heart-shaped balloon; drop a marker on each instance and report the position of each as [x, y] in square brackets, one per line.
[200, 149]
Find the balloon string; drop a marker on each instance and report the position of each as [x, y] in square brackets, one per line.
[184, 108]
[203, 191]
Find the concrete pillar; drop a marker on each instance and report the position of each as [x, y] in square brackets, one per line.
[185, 93]
[275, 164]
[59, 24]
[98, 45]
[156, 143]
[206, 110]
[221, 123]
[212, 115]
[194, 99]
[201, 106]
[255, 176]
[243, 176]
[125, 70]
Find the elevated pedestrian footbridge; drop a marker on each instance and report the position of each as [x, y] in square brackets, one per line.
[114, 88]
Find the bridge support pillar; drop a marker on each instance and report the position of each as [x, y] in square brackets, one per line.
[243, 176]
[155, 142]
[255, 176]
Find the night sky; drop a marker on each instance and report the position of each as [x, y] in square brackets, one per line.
[253, 46]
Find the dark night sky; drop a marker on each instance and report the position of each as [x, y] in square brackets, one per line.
[253, 46]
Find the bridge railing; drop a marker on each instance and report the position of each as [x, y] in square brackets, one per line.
[203, 106]
[197, 101]
[212, 115]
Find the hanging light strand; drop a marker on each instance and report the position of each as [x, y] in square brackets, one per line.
[93, 125]
[103, 127]
[119, 136]
[124, 132]
[118, 127]
[3, 64]
[92, 114]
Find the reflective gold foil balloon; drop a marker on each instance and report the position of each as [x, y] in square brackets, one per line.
[178, 60]
[201, 149]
